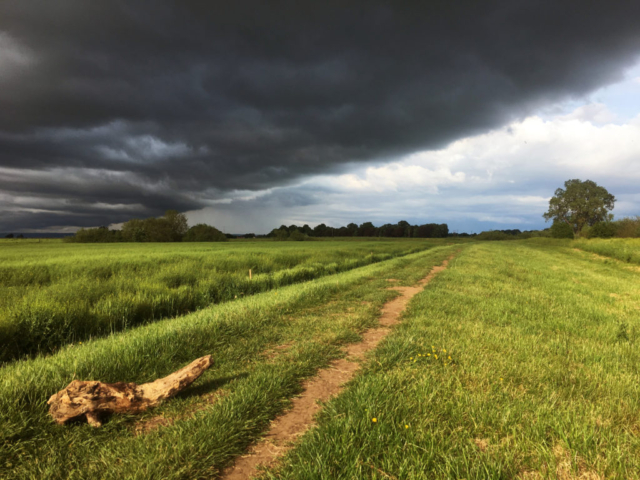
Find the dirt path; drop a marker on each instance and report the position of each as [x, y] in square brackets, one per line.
[328, 383]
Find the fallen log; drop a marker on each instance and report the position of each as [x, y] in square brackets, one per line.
[92, 400]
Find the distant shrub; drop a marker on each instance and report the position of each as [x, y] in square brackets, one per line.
[584, 233]
[628, 227]
[204, 233]
[279, 234]
[283, 235]
[602, 230]
[495, 235]
[298, 236]
[546, 233]
[561, 230]
[95, 235]
[169, 228]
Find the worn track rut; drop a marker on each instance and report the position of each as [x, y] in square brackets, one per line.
[326, 384]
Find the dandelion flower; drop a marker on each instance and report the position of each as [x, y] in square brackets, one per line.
[374, 420]
[428, 354]
[449, 357]
[435, 356]
[406, 426]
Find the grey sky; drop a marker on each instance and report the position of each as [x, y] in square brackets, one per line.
[254, 113]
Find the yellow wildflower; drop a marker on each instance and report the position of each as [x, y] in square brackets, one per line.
[374, 419]
[435, 356]
[406, 426]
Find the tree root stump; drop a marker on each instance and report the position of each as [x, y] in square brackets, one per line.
[92, 400]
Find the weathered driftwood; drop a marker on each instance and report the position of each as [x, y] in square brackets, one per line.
[92, 400]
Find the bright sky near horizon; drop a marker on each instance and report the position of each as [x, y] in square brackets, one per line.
[501, 179]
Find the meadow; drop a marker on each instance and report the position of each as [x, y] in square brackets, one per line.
[623, 249]
[313, 319]
[520, 360]
[54, 293]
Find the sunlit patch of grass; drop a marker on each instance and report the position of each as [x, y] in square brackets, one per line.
[623, 249]
[542, 381]
[314, 319]
[53, 294]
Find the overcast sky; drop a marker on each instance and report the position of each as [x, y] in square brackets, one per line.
[247, 115]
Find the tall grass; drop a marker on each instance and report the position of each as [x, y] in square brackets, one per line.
[54, 294]
[624, 249]
[313, 318]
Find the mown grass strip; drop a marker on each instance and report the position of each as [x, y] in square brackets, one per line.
[535, 377]
[313, 318]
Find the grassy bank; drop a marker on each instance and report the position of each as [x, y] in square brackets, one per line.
[52, 294]
[263, 347]
[624, 249]
[535, 377]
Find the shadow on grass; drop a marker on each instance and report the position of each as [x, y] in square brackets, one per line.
[210, 385]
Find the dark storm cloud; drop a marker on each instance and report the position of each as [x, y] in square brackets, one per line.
[128, 108]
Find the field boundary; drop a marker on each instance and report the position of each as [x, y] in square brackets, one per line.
[327, 383]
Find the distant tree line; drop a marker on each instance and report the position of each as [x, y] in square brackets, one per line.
[172, 227]
[402, 229]
[628, 227]
[512, 234]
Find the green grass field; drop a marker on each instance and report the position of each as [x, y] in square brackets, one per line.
[54, 293]
[542, 380]
[623, 249]
[536, 376]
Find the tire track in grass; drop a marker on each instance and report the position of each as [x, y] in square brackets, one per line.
[326, 384]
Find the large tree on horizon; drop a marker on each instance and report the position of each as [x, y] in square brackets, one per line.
[579, 204]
